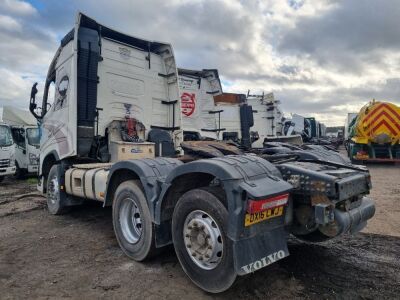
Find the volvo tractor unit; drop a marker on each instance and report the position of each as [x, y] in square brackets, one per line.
[113, 134]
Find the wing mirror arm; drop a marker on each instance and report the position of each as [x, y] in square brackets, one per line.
[32, 103]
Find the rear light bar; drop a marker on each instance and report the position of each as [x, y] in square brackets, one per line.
[361, 154]
[254, 206]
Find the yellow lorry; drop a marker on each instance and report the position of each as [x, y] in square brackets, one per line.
[374, 134]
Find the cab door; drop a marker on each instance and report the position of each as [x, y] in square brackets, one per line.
[20, 147]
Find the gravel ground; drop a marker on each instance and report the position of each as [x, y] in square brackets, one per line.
[77, 256]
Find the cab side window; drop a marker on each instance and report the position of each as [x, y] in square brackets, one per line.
[52, 96]
[19, 136]
[61, 93]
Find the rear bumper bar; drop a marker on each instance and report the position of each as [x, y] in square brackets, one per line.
[377, 160]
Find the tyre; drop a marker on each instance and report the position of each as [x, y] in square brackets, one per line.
[56, 198]
[19, 173]
[132, 221]
[1, 178]
[199, 226]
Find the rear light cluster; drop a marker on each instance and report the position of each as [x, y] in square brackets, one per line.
[362, 154]
[254, 206]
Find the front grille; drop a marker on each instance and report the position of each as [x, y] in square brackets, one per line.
[4, 163]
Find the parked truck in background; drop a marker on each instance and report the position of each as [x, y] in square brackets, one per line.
[114, 134]
[26, 137]
[374, 133]
[253, 122]
[200, 118]
[349, 119]
[7, 152]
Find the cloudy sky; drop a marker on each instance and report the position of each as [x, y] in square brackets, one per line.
[321, 58]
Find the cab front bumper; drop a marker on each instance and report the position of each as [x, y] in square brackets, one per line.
[33, 168]
[7, 171]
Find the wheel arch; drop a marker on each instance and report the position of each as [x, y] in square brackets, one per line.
[185, 178]
[148, 171]
[238, 176]
[50, 159]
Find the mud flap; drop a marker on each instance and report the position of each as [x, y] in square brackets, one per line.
[260, 251]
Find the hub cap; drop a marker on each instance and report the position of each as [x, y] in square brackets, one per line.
[53, 190]
[129, 220]
[203, 240]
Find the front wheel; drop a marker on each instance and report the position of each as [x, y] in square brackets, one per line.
[19, 173]
[132, 221]
[199, 226]
[56, 198]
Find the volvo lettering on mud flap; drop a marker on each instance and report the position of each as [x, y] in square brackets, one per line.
[263, 262]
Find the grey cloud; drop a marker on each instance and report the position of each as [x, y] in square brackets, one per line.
[333, 103]
[346, 37]
[16, 7]
[288, 69]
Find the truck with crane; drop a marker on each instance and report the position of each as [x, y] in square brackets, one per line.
[114, 134]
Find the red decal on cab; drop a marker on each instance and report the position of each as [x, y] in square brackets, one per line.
[188, 103]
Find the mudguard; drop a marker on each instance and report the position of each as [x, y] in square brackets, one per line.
[151, 172]
[243, 177]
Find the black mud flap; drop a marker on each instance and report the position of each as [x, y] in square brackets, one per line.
[260, 251]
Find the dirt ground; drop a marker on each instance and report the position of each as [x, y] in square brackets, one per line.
[77, 256]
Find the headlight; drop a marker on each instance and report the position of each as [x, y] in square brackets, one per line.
[33, 159]
[12, 160]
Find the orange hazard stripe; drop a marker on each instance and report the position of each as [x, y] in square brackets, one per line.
[379, 107]
[383, 122]
[384, 113]
[391, 110]
[372, 113]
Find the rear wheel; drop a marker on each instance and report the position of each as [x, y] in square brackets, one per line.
[56, 198]
[132, 221]
[199, 226]
[1, 178]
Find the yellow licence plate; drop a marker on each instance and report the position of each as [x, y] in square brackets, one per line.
[251, 219]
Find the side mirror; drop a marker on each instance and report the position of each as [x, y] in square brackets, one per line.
[32, 103]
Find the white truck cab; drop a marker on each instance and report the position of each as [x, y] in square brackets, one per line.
[25, 133]
[7, 152]
[200, 118]
[27, 149]
[112, 92]
[267, 117]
